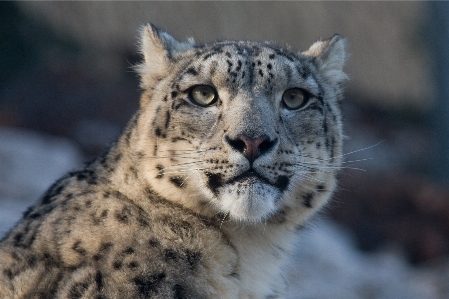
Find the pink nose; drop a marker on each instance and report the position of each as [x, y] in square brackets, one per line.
[251, 148]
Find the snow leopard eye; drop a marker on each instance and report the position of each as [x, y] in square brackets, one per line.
[203, 95]
[294, 98]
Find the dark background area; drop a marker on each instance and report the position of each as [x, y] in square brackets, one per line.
[65, 70]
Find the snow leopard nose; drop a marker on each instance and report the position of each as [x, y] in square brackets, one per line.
[251, 148]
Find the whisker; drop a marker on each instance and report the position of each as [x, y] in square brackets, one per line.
[184, 180]
[343, 155]
[359, 160]
[310, 179]
[363, 149]
[224, 218]
[316, 164]
[308, 187]
[186, 150]
[322, 168]
[182, 164]
[308, 166]
[183, 171]
[167, 157]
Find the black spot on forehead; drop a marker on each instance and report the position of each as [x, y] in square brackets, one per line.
[239, 65]
[230, 48]
[192, 71]
[213, 67]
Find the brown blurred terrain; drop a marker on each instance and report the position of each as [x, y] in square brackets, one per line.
[66, 71]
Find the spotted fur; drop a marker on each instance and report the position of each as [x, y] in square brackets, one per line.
[193, 201]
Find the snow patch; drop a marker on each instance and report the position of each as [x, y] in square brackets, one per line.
[29, 164]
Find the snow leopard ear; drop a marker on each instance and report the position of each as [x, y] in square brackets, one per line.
[159, 49]
[331, 56]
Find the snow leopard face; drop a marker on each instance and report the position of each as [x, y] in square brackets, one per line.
[244, 129]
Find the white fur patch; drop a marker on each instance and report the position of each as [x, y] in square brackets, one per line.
[249, 201]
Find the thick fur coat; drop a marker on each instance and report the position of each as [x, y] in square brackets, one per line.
[234, 147]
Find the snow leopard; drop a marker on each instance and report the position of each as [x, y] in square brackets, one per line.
[235, 145]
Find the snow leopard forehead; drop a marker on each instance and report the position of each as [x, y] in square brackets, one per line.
[260, 67]
[240, 65]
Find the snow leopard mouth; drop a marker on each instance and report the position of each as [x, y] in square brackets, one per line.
[247, 177]
[251, 176]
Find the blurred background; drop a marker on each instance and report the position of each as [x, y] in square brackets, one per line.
[67, 90]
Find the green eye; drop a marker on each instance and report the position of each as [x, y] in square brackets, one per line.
[294, 98]
[203, 95]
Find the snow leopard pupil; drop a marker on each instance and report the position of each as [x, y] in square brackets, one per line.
[203, 95]
[294, 98]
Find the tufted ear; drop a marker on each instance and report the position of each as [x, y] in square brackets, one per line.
[159, 49]
[331, 57]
